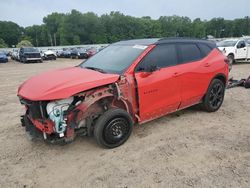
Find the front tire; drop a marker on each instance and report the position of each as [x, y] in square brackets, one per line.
[113, 128]
[214, 96]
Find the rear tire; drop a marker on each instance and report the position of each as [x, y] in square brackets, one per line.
[113, 128]
[214, 96]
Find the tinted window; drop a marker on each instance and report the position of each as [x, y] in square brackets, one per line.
[161, 56]
[205, 49]
[189, 53]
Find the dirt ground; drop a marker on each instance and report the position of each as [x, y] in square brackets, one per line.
[189, 148]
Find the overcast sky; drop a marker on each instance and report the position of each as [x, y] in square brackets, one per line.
[29, 12]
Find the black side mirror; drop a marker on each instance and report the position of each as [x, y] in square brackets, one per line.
[152, 68]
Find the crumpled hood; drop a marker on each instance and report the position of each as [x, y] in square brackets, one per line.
[63, 83]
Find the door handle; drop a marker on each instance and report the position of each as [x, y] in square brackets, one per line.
[176, 74]
[207, 65]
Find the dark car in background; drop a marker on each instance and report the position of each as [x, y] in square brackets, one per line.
[3, 57]
[29, 54]
[66, 53]
[78, 53]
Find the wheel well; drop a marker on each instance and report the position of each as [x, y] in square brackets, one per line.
[231, 54]
[221, 77]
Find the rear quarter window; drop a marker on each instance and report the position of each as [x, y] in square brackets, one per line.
[205, 49]
[189, 53]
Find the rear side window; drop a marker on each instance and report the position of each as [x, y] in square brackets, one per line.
[161, 56]
[205, 49]
[189, 53]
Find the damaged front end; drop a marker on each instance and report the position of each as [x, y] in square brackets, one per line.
[61, 120]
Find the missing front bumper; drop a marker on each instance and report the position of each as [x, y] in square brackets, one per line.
[36, 134]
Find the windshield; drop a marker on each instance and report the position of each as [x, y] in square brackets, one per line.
[114, 59]
[227, 43]
[2, 54]
[30, 50]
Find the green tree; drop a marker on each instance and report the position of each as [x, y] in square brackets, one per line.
[53, 23]
[10, 32]
[3, 44]
[24, 43]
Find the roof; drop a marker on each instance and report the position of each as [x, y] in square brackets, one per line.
[138, 42]
[164, 41]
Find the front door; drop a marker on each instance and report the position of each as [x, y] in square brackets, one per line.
[158, 82]
[241, 50]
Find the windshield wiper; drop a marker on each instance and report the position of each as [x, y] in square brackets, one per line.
[96, 69]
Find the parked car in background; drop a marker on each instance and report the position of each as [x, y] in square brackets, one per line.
[48, 55]
[59, 53]
[237, 50]
[66, 53]
[89, 52]
[128, 82]
[78, 53]
[29, 54]
[15, 55]
[247, 40]
[3, 57]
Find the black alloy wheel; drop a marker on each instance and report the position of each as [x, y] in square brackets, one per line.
[214, 97]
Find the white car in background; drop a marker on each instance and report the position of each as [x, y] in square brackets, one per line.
[237, 50]
[48, 55]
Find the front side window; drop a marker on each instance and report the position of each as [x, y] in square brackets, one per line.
[241, 44]
[114, 59]
[161, 56]
[189, 53]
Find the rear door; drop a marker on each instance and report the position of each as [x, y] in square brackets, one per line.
[157, 82]
[193, 72]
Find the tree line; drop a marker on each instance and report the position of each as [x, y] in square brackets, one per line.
[88, 28]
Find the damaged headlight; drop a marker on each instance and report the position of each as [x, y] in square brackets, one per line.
[56, 111]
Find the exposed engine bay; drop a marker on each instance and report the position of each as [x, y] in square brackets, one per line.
[62, 120]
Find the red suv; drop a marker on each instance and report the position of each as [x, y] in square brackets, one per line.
[128, 82]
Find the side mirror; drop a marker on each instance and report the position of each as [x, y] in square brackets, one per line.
[152, 68]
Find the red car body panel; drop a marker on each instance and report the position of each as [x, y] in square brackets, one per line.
[63, 83]
[173, 88]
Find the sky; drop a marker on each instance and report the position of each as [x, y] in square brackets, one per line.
[30, 12]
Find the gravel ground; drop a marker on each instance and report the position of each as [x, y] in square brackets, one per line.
[190, 148]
